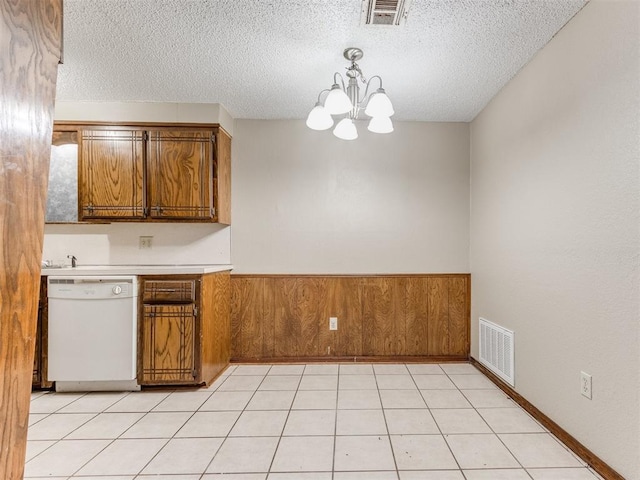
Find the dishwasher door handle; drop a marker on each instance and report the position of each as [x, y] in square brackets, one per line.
[97, 280]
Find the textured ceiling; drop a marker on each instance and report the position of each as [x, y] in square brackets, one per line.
[269, 59]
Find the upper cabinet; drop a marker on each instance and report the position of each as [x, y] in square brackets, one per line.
[154, 173]
[112, 174]
[180, 174]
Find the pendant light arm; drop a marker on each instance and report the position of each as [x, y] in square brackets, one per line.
[335, 80]
[320, 95]
[366, 90]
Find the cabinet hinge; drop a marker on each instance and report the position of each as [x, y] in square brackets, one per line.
[145, 136]
[213, 138]
[145, 211]
[195, 311]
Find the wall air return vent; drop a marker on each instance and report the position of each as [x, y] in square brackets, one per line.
[496, 350]
[385, 12]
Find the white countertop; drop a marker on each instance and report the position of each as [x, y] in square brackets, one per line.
[135, 270]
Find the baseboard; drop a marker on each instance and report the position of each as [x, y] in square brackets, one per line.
[583, 452]
[357, 359]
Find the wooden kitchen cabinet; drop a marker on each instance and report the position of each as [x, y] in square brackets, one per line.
[40, 358]
[154, 173]
[112, 174]
[169, 344]
[184, 329]
[180, 166]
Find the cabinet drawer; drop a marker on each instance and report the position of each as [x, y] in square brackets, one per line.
[169, 291]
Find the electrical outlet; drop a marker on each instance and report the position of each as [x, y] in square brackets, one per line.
[333, 323]
[145, 243]
[585, 385]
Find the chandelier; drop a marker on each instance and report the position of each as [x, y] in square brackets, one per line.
[341, 100]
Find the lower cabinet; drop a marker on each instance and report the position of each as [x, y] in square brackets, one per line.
[39, 378]
[170, 343]
[184, 329]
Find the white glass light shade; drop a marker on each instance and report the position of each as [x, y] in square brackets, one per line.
[380, 125]
[319, 118]
[337, 101]
[379, 105]
[346, 129]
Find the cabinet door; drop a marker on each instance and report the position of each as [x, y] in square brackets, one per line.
[37, 363]
[180, 174]
[112, 174]
[168, 344]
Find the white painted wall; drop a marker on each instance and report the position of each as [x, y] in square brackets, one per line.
[117, 244]
[307, 202]
[555, 215]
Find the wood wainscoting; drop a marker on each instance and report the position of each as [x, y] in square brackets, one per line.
[276, 317]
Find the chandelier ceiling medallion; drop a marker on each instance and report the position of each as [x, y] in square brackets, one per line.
[341, 100]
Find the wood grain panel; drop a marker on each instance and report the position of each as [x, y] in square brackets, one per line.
[216, 325]
[344, 301]
[459, 342]
[296, 315]
[168, 344]
[267, 319]
[64, 138]
[311, 294]
[30, 43]
[391, 316]
[222, 180]
[180, 181]
[247, 300]
[238, 307]
[383, 327]
[416, 315]
[111, 183]
[438, 311]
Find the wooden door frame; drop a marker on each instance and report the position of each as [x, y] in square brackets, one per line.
[31, 42]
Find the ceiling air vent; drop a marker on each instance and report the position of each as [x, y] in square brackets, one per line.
[385, 12]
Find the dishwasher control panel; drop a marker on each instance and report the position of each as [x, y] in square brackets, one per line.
[91, 287]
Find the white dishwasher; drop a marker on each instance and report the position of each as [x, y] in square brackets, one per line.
[92, 332]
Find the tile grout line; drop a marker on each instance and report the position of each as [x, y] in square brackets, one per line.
[69, 433]
[284, 425]
[55, 442]
[201, 476]
[386, 425]
[244, 409]
[172, 436]
[117, 438]
[335, 425]
[486, 423]
[455, 459]
[490, 428]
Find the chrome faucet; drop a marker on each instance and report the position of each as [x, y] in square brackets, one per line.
[74, 261]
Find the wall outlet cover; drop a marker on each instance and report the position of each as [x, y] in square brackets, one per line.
[333, 323]
[585, 385]
[145, 243]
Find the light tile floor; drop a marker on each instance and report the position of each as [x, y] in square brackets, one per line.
[300, 422]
